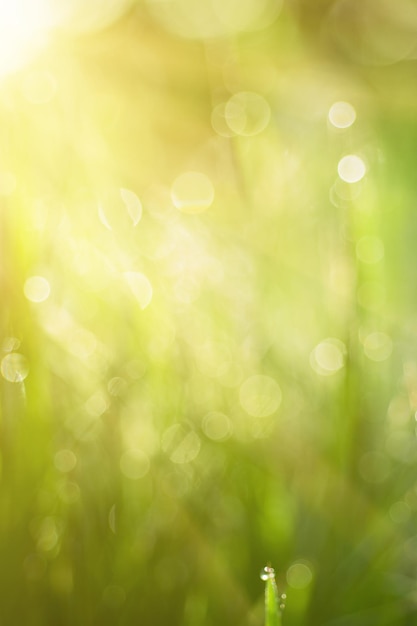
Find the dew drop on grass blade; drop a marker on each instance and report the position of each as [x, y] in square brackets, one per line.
[272, 612]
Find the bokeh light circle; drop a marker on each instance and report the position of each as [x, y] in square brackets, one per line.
[14, 367]
[247, 113]
[342, 115]
[260, 396]
[192, 192]
[351, 168]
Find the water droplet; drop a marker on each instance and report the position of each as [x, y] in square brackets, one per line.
[268, 573]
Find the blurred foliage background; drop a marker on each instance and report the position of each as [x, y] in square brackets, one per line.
[208, 320]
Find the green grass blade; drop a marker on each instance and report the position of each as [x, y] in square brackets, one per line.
[272, 611]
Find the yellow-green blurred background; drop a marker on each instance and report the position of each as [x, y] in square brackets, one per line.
[208, 311]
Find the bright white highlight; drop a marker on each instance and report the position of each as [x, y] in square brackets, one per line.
[351, 168]
[342, 115]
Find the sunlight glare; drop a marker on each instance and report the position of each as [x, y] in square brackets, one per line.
[39, 87]
[23, 31]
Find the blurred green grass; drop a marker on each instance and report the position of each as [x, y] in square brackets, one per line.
[146, 476]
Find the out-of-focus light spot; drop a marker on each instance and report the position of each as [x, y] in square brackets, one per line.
[210, 19]
[37, 289]
[260, 395]
[192, 192]
[117, 386]
[140, 287]
[134, 464]
[112, 519]
[23, 26]
[26, 25]
[341, 278]
[242, 15]
[371, 295]
[399, 411]
[65, 461]
[381, 32]
[119, 209]
[47, 535]
[351, 168]
[377, 346]
[219, 122]
[39, 87]
[79, 16]
[268, 573]
[114, 596]
[374, 467]
[370, 249]
[11, 344]
[181, 443]
[299, 575]
[69, 492]
[14, 367]
[217, 426]
[133, 205]
[328, 357]
[97, 404]
[247, 113]
[342, 193]
[400, 512]
[8, 183]
[342, 114]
